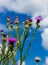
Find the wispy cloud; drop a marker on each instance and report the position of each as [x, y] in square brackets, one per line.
[44, 36]
[46, 61]
[31, 7]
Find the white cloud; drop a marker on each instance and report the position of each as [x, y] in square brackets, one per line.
[31, 7]
[23, 63]
[46, 61]
[44, 22]
[44, 36]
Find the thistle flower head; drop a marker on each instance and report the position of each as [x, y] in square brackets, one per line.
[39, 18]
[30, 22]
[16, 20]
[4, 37]
[8, 18]
[2, 32]
[12, 41]
[26, 21]
[11, 24]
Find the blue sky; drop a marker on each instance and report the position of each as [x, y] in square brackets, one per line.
[29, 9]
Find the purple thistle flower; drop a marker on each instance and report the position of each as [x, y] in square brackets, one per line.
[4, 38]
[4, 35]
[16, 20]
[30, 20]
[39, 18]
[12, 41]
[11, 24]
[8, 17]
[2, 31]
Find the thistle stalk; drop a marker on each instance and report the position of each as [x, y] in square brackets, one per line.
[26, 53]
[21, 57]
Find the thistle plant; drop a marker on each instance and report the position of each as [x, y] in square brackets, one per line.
[12, 42]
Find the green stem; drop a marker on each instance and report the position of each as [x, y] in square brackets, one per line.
[21, 57]
[6, 58]
[24, 38]
[13, 58]
[18, 33]
[9, 30]
[26, 53]
[3, 50]
[3, 47]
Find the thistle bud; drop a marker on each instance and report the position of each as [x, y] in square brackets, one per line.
[39, 18]
[8, 18]
[26, 24]
[30, 22]
[16, 20]
[26, 21]
[2, 32]
[11, 24]
[4, 38]
[18, 43]
[11, 42]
